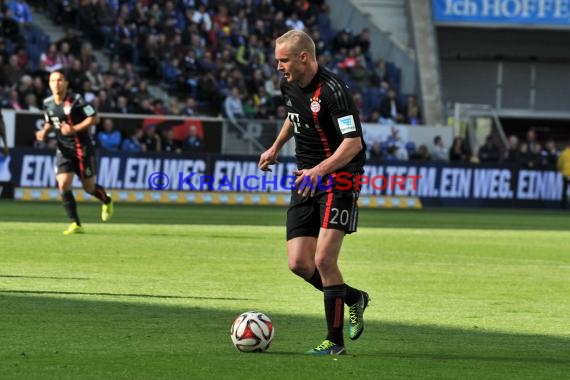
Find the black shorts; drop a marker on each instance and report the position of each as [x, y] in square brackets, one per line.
[329, 208]
[82, 165]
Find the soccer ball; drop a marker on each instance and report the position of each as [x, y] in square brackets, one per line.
[252, 331]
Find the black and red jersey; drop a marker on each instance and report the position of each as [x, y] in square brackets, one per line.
[73, 110]
[322, 115]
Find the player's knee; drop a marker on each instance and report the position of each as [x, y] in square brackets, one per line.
[325, 264]
[301, 267]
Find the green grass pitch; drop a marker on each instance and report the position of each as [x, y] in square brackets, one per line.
[456, 294]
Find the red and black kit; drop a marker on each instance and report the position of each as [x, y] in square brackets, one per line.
[75, 153]
[322, 115]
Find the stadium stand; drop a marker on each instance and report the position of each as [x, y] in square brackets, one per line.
[178, 45]
[124, 55]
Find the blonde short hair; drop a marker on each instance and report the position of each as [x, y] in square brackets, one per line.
[298, 41]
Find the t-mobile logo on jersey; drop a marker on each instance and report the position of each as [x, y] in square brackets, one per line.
[295, 120]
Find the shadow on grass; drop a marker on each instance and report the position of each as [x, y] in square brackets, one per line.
[100, 337]
[509, 219]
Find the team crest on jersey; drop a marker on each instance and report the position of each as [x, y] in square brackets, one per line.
[315, 105]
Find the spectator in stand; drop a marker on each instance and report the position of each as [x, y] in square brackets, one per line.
[76, 75]
[374, 117]
[512, 154]
[31, 102]
[260, 97]
[208, 91]
[524, 156]
[133, 142]
[122, 105]
[343, 40]
[489, 152]
[396, 146]
[375, 152]
[105, 21]
[421, 155]
[40, 88]
[246, 53]
[105, 102]
[563, 165]
[95, 77]
[358, 102]
[87, 20]
[362, 40]
[281, 112]
[202, 17]
[413, 113]
[10, 29]
[190, 108]
[381, 72]
[458, 151]
[169, 144]
[21, 12]
[233, 106]
[531, 140]
[64, 57]
[263, 113]
[173, 107]
[359, 74]
[145, 107]
[158, 107]
[87, 92]
[193, 142]
[391, 110]
[109, 138]
[87, 57]
[293, 22]
[151, 140]
[439, 152]
[14, 101]
[11, 72]
[74, 41]
[549, 154]
[536, 155]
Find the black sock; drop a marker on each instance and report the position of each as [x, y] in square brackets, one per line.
[352, 294]
[316, 281]
[101, 194]
[70, 206]
[334, 312]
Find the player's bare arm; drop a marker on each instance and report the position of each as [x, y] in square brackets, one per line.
[41, 134]
[345, 152]
[269, 157]
[67, 129]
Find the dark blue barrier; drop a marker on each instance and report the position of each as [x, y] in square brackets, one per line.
[442, 185]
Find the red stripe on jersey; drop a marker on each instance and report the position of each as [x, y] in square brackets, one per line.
[323, 137]
[79, 151]
[78, 147]
[329, 201]
[338, 303]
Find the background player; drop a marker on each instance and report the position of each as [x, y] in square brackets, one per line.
[72, 119]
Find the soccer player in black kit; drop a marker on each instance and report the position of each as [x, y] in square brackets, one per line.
[324, 121]
[72, 119]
